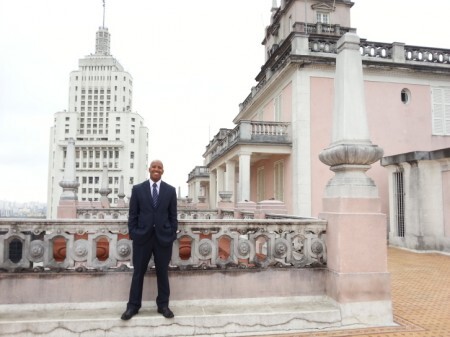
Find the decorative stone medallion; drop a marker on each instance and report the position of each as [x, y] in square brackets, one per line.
[37, 248]
[80, 250]
[123, 249]
[280, 249]
[205, 248]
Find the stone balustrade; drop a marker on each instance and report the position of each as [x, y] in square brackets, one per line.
[82, 245]
[253, 131]
[320, 40]
[198, 171]
[197, 214]
[269, 128]
[427, 54]
[388, 51]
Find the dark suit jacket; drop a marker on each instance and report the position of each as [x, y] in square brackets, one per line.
[144, 220]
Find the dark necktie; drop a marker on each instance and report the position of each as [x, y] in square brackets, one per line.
[155, 195]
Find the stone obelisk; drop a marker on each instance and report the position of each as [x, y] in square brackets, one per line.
[358, 279]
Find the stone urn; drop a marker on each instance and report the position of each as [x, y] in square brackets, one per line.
[225, 196]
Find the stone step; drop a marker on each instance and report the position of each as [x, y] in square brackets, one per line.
[243, 317]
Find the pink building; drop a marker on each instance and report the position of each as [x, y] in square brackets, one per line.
[286, 120]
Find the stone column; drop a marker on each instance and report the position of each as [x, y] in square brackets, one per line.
[67, 207]
[212, 189]
[197, 191]
[220, 179]
[356, 233]
[244, 176]
[230, 178]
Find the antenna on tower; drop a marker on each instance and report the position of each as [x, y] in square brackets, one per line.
[104, 9]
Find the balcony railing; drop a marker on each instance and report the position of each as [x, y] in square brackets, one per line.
[199, 172]
[251, 132]
[81, 245]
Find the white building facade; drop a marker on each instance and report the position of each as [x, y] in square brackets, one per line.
[105, 129]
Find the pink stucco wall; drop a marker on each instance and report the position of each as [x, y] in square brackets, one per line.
[269, 178]
[394, 126]
[286, 105]
[322, 90]
[286, 116]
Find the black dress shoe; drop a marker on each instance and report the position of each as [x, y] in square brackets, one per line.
[128, 314]
[166, 312]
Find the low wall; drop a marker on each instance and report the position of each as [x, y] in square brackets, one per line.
[71, 287]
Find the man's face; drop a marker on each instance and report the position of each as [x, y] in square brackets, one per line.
[156, 170]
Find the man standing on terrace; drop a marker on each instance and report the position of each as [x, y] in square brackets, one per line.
[152, 225]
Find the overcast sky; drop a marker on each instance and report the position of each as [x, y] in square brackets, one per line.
[192, 63]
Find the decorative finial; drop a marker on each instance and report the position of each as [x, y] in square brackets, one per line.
[105, 190]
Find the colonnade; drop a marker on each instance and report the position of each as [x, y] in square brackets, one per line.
[223, 177]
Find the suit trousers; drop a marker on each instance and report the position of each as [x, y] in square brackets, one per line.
[142, 254]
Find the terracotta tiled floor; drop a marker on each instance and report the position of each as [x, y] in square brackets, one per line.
[420, 296]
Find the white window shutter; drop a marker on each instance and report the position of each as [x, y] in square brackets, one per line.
[438, 111]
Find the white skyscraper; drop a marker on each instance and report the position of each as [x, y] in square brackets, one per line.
[105, 129]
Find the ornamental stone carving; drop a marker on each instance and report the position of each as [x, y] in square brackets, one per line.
[80, 250]
[297, 243]
[205, 248]
[214, 244]
[37, 249]
[243, 248]
[123, 249]
[351, 154]
[281, 249]
[317, 247]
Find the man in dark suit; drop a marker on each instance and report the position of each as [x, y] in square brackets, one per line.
[152, 225]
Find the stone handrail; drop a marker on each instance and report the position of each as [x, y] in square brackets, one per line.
[81, 245]
[269, 128]
[427, 54]
[397, 52]
[197, 214]
[258, 131]
[230, 139]
[199, 171]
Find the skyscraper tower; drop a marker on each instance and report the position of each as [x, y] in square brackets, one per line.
[105, 129]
